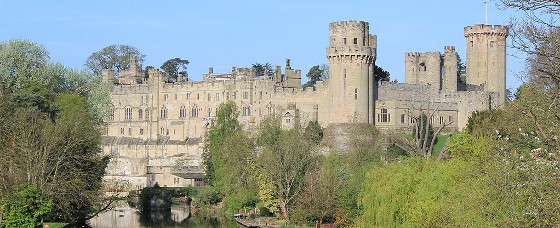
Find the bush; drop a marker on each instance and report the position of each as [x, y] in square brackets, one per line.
[24, 207]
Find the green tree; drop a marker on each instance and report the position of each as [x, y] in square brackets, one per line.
[24, 208]
[226, 125]
[175, 67]
[314, 74]
[313, 133]
[115, 57]
[261, 68]
[380, 74]
[22, 63]
[285, 159]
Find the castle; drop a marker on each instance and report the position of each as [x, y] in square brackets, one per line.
[156, 131]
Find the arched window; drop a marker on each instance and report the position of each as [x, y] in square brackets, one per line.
[194, 111]
[139, 113]
[182, 112]
[147, 113]
[128, 113]
[163, 112]
[383, 116]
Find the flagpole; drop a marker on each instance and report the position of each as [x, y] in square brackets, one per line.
[486, 10]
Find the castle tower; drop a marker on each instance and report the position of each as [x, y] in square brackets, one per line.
[449, 77]
[423, 69]
[486, 57]
[351, 55]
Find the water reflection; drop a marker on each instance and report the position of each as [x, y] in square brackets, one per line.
[179, 216]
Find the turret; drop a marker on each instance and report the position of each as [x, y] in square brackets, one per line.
[486, 57]
[449, 77]
[351, 56]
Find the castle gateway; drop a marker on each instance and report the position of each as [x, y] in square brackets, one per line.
[157, 129]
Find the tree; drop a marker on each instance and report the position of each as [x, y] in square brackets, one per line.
[24, 208]
[22, 63]
[175, 67]
[260, 69]
[536, 35]
[114, 57]
[285, 159]
[380, 74]
[424, 135]
[461, 70]
[226, 125]
[315, 74]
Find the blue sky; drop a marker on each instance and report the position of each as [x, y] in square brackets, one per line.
[238, 33]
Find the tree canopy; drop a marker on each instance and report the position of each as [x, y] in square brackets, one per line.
[114, 57]
[261, 68]
[174, 67]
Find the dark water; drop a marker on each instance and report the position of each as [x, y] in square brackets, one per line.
[124, 216]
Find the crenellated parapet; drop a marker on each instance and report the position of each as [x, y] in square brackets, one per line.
[492, 30]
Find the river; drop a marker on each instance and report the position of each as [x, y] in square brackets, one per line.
[179, 216]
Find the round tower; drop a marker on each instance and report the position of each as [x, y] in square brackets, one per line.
[486, 58]
[351, 55]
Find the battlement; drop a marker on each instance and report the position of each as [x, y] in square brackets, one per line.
[425, 54]
[344, 25]
[449, 48]
[496, 30]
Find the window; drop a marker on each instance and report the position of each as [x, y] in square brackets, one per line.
[472, 43]
[491, 43]
[344, 41]
[355, 40]
[112, 115]
[167, 131]
[130, 131]
[197, 96]
[163, 112]
[128, 113]
[383, 116]
[209, 110]
[188, 96]
[217, 96]
[288, 120]
[141, 131]
[249, 110]
[245, 95]
[260, 95]
[233, 95]
[122, 130]
[209, 97]
[403, 117]
[243, 111]
[182, 112]
[175, 96]
[227, 96]
[165, 97]
[162, 130]
[450, 119]
[441, 120]
[356, 94]
[345, 79]
[139, 113]
[147, 113]
[194, 111]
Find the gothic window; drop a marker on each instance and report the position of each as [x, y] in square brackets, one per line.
[432, 120]
[243, 111]
[383, 116]
[139, 113]
[162, 130]
[194, 111]
[182, 112]
[245, 95]
[249, 110]
[163, 112]
[188, 96]
[403, 117]
[112, 115]
[128, 113]
[441, 120]
[147, 113]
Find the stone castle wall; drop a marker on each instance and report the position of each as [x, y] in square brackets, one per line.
[156, 124]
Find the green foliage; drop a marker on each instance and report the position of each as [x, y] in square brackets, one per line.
[313, 133]
[152, 198]
[208, 195]
[115, 57]
[174, 67]
[22, 63]
[24, 207]
[314, 74]
[380, 74]
[225, 126]
[260, 68]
